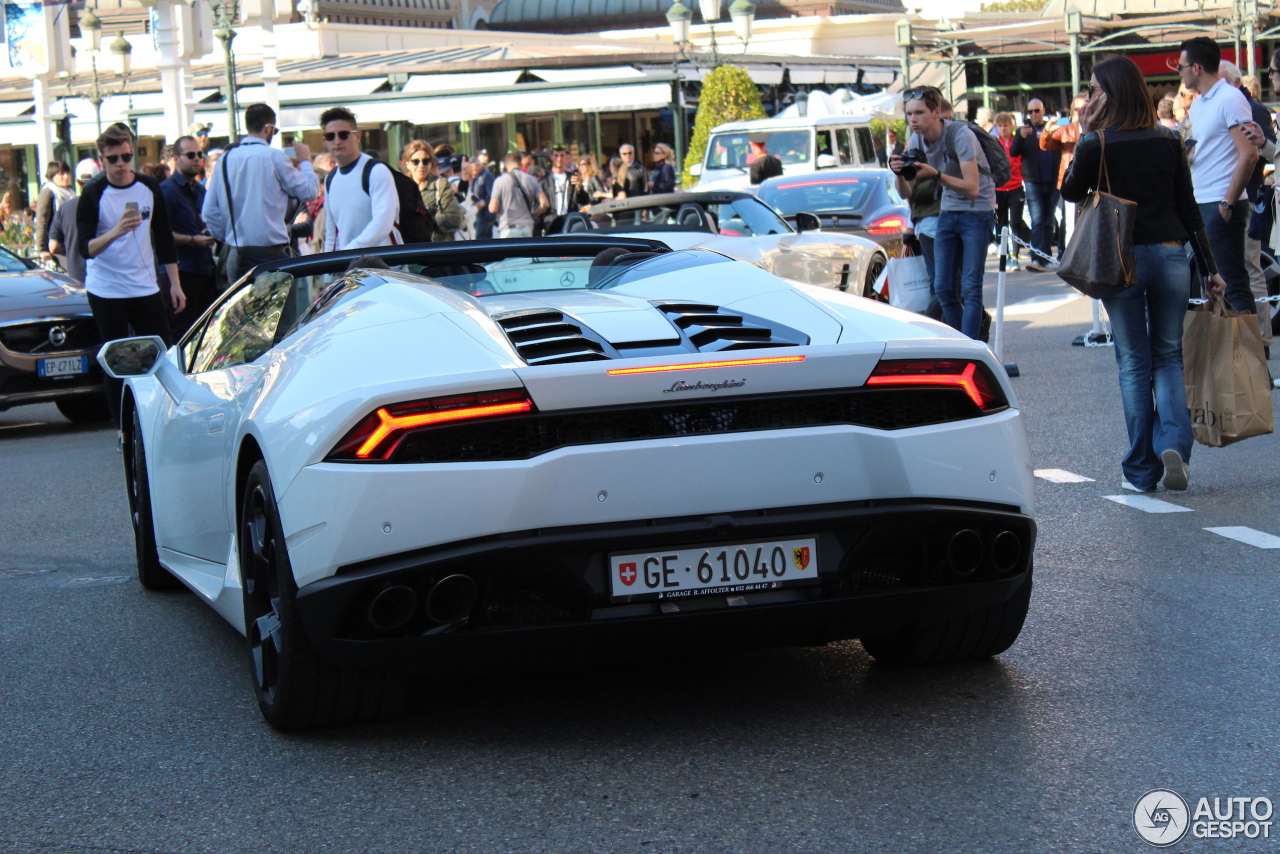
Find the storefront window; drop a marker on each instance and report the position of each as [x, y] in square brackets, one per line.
[437, 135]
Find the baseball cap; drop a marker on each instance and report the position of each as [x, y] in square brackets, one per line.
[87, 169]
[198, 127]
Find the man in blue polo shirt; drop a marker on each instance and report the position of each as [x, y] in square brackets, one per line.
[184, 197]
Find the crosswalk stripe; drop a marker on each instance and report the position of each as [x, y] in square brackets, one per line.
[1147, 504]
[1249, 536]
[1061, 476]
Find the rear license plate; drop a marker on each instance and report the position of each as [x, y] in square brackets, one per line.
[63, 366]
[740, 568]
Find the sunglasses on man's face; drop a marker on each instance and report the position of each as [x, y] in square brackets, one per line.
[113, 159]
[193, 155]
[417, 162]
[343, 135]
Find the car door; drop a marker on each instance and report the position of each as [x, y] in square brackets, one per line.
[191, 457]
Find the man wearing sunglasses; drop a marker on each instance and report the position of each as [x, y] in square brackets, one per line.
[249, 194]
[362, 205]
[1040, 170]
[184, 197]
[122, 226]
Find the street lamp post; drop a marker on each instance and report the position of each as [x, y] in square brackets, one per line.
[679, 17]
[743, 15]
[226, 35]
[92, 27]
[903, 38]
[1075, 26]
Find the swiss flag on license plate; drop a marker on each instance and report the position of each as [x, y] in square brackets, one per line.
[627, 573]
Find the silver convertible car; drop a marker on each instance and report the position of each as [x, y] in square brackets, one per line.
[569, 449]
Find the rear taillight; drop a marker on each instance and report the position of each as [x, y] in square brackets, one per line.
[973, 378]
[376, 437]
[888, 225]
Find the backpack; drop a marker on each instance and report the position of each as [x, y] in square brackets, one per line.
[1001, 170]
[415, 222]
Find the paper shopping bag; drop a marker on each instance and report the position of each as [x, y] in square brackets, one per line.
[909, 286]
[1228, 387]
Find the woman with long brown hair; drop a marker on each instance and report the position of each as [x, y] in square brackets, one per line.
[1146, 164]
[418, 161]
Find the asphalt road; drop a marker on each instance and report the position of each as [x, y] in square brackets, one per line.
[127, 722]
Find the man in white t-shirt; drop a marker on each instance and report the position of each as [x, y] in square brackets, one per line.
[123, 230]
[1222, 162]
[353, 218]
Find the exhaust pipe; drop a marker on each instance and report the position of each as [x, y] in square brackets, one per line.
[964, 553]
[392, 608]
[1006, 551]
[451, 599]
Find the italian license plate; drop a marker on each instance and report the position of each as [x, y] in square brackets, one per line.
[740, 568]
[63, 366]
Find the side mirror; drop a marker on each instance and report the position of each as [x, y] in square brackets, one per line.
[827, 161]
[695, 170]
[808, 222]
[131, 357]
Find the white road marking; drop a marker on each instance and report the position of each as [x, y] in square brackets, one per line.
[1060, 476]
[1248, 536]
[1041, 304]
[1147, 504]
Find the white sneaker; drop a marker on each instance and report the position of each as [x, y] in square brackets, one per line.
[1177, 474]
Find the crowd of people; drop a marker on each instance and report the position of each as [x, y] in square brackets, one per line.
[1191, 162]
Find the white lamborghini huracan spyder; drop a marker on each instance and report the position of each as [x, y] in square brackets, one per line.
[520, 451]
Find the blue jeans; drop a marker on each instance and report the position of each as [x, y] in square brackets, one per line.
[1146, 322]
[1042, 202]
[1227, 240]
[959, 258]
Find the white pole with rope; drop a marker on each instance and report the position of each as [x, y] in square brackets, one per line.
[998, 333]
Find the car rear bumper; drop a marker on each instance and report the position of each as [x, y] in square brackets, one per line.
[545, 595]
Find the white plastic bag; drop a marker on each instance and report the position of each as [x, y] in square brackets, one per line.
[908, 281]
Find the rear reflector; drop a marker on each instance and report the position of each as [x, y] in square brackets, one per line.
[972, 378]
[689, 366]
[375, 437]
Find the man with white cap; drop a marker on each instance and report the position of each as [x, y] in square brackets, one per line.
[62, 231]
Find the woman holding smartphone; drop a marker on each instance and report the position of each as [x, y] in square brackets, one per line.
[1146, 165]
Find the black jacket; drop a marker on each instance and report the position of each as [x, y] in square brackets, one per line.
[1148, 167]
[1028, 148]
[166, 252]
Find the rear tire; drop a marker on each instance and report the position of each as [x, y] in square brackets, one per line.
[151, 574]
[980, 634]
[295, 688]
[88, 409]
[874, 269]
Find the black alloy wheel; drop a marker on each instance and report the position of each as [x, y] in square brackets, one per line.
[151, 574]
[86, 409]
[874, 269]
[295, 688]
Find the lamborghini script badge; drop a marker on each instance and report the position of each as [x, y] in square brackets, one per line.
[800, 557]
[681, 385]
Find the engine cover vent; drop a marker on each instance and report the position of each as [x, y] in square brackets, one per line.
[712, 329]
[547, 337]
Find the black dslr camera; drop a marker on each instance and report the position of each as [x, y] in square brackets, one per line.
[911, 161]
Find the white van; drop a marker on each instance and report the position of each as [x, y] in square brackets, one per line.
[802, 144]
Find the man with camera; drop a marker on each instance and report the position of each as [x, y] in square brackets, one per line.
[950, 152]
[1040, 170]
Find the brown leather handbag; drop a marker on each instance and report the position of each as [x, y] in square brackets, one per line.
[1099, 260]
